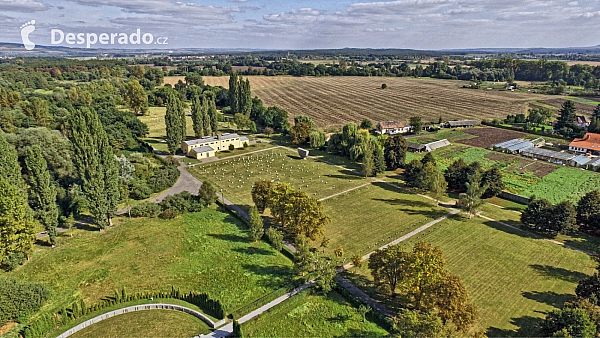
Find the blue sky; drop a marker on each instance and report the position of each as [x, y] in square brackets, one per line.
[307, 24]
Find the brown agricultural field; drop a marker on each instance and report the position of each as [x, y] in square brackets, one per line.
[334, 101]
[486, 137]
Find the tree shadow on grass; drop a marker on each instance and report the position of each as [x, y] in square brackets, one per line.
[278, 275]
[560, 273]
[501, 227]
[549, 297]
[527, 326]
[345, 174]
[339, 318]
[254, 251]
[404, 202]
[231, 238]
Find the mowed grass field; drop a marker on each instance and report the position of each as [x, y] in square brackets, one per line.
[513, 278]
[335, 101]
[205, 252]
[236, 176]
[156, 125]
[369, 217]
[151, 323]
[311, 315]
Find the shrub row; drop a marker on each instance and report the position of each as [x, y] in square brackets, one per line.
[177, 204]
[48, 323]
[373, 315]
[19, 299]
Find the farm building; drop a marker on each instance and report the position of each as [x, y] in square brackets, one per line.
[580, 161]
[392, 128]
[583, 122]
[513, 146]
[590, 143]
[415, 147]
[595, 162]
[461, 124]
[548, 155]
[208, 145]
[419, 148]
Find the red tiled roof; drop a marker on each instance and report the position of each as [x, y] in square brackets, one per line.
[590, 141]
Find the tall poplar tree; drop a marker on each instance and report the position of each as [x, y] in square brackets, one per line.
[95, 164]
[43, 190]
[16, 230]
[234, 93]
[181, 114]
[205, 117]
[197, 116]
[212, 113]
[173, 122]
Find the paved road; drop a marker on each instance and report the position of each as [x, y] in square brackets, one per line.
[226, 330]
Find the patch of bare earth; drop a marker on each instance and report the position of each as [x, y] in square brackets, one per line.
[486, 137]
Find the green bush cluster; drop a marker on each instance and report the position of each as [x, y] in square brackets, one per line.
[19, 299]
[177, 204]
[152, 174]
[47, 323]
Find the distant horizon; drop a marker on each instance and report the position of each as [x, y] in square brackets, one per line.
[313, 24]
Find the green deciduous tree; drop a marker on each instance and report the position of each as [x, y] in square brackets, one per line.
[136, 98]
[42, 190]
[275, 238]
[367, 124]
[300, 133]
[16, 231]
[395, 151]
[317, 138]
[367, 168]
[95, 164]
[588, 210]
[256, 224]
[470, 201]
[261, 191]
[416, 124]
[576, 323]
[388, 267]
[493, 180]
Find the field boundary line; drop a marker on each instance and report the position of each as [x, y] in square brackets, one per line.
[407, 236]
[345, 191]
[537, 235]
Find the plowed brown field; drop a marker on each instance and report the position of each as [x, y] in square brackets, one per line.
[334, 101]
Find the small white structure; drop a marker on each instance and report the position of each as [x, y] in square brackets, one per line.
[436, 145]
[392, 128]
[303, 153]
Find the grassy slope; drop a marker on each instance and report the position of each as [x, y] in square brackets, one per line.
[513, 279]
[206, 252]
[307, 315]
[152, 323]
[369, 217]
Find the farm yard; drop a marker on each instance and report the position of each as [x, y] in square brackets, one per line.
[237, 175]
[369, 217]
[521, 175]
[309, 315]
[513, 279]
[334, 101]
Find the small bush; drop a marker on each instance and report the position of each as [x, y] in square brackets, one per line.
[231, 147]
[168, 214]
[13, 261]
[146, 209]
[19, 299]
[245, 144]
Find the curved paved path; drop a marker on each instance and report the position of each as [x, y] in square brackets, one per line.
[134, 308]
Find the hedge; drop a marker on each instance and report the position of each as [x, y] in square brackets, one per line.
[19, 299]
[48, 323]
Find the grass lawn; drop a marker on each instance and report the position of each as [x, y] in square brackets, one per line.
[309, 315]
[206, 252]
[150, 323]
[513, 278]
[237, 175]
[369, 217]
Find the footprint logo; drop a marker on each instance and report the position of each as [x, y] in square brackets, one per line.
[26, 29]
